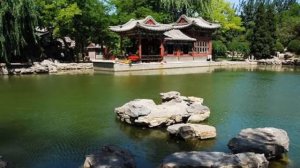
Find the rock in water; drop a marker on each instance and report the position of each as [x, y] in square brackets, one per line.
[214, 159]
[136, 108]
[3, 164]
[199, 113]
[174, 109]
[272, 142]
[192, 131]
[110, 157]
[169, 96]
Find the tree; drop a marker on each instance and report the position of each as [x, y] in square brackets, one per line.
[260, 47]
[188, 7]
[289, 24]
[239, 47]
[137, 9]
[271, 25]
[57, 14]
[219, 49]
[222, 12]
[84, 21]
[17, 30]
[294, 46]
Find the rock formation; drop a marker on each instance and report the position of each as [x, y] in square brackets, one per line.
[272, 142]
[192, 131]
[174, 109]
[49, 66]
[214, 159]
[109, 157]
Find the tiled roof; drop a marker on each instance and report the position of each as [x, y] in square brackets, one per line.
[155, 26]
[200, 22]
[131, 24]
[177, 35]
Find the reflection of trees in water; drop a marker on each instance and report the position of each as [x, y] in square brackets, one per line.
[282, 163]
[157, 143]
[139, 133]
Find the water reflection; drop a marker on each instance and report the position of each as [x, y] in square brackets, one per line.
[197, 70]
[283, 163]
[157, 143]
[55, 120]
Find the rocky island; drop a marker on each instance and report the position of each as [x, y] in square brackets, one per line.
[174, 109]
[176, 112]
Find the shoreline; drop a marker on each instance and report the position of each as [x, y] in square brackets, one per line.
[46, 67]
[114, 66]
[121, 69]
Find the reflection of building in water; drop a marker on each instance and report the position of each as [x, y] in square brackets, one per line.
[186, 39]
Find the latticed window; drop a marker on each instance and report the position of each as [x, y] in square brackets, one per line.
[201, 46]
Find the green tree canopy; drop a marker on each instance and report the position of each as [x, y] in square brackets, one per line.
[188, 7]
[289, 24]
[222, 12]
[17, 27]
[262, 41]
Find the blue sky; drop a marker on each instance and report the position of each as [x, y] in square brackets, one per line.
[234, 1]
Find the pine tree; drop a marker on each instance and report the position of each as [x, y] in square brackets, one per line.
[271, 23]
[259, 42]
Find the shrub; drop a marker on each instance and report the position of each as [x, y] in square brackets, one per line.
[219, 49]
[294, 46]
[279, 47]
[239, 47]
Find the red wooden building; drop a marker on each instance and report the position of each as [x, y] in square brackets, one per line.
[186, 39]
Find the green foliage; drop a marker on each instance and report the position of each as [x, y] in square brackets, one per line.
[240, 47]
[271, 22]
[188, 7]
[260, 32]
[282, 17]
[294, 46]
[57, 14]
[289, 24]
[137, 9]
[222, 12]
[279, 47]
[259, 47]
[219, 49]
[83, 21]
[17, 26]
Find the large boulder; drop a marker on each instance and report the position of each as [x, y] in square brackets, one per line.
[110, 157]
[192, 131]
[271, 142]
[51, 65]
[38, 68]
[25, 71]
[3, 164]
[199, 113]
[214, 159]
[174, 109]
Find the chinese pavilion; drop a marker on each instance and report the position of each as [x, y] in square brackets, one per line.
[186, 39]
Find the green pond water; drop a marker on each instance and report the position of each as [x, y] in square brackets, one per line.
[53, 121]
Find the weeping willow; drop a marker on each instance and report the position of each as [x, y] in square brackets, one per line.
[189, 7]
[17, 27]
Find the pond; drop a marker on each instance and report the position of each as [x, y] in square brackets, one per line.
[51, 121]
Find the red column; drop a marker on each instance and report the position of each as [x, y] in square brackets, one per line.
[210, 46]
[162, 48]
[140, 47]
[121, 45]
